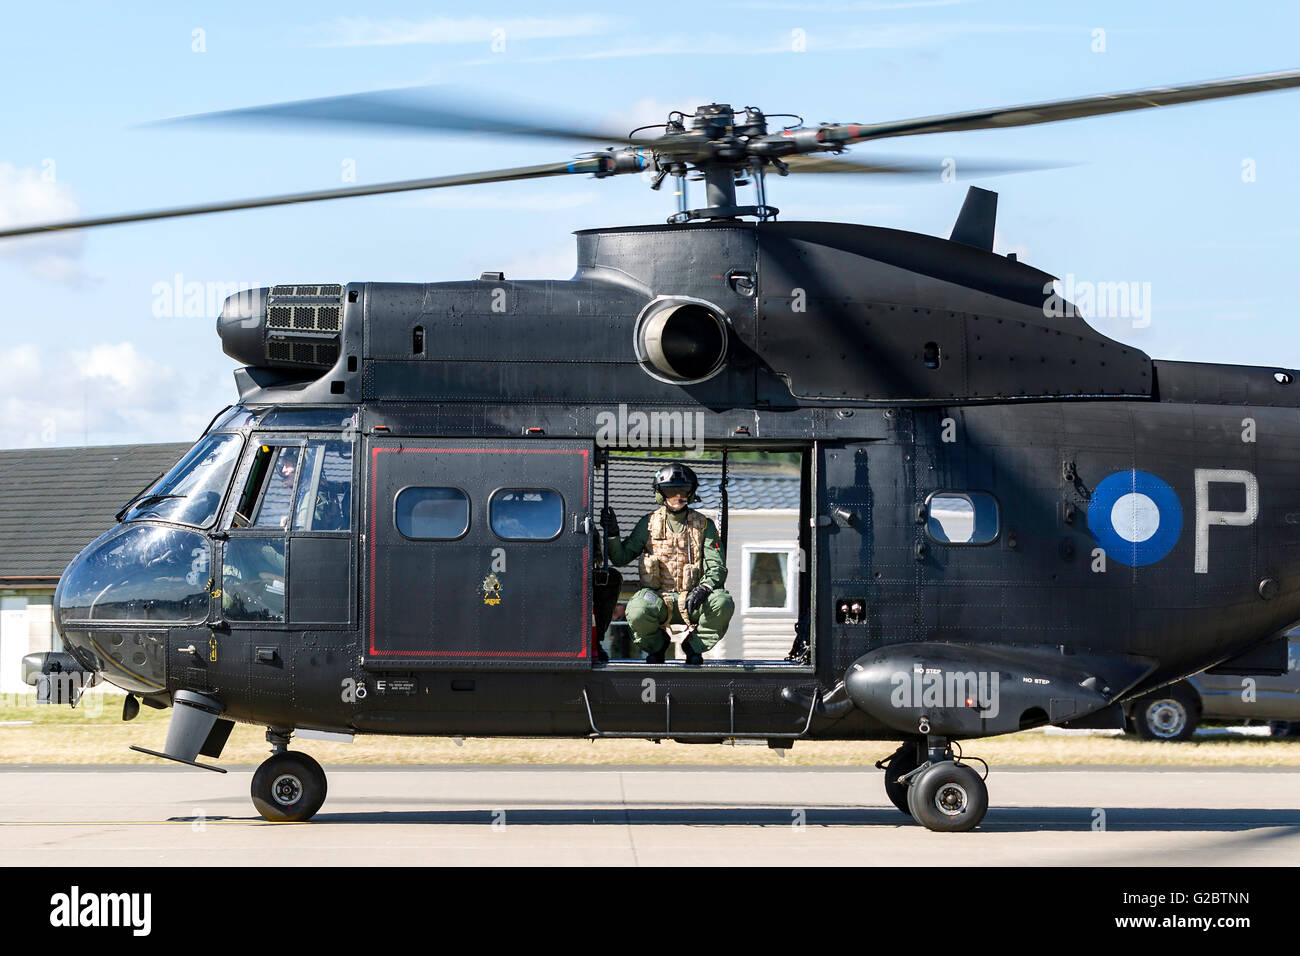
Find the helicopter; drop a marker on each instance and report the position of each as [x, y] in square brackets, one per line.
[1005, 519]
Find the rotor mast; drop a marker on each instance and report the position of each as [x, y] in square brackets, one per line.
[721, 161]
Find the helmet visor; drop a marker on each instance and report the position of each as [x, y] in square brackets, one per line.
[672, 491]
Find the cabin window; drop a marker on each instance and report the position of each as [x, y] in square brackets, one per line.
[769, 578]
[252, 579]
[962, 517]
[533, 514]
[432, 514]
[324, 498]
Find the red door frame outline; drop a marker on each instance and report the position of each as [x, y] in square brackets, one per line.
[374, 486]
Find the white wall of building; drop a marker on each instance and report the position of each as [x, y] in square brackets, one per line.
[26, 627]
[760, 633]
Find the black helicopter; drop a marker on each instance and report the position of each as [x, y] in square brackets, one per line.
[1009, 519]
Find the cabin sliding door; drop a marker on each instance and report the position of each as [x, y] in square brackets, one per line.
[479, 552]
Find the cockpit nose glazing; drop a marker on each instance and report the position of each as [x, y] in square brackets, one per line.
[118, 599]
[120, 596]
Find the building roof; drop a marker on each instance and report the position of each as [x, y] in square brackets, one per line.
[630, 493]
[753, 492]
[55, 501]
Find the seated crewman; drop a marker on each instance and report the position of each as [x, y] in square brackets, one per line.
[682, 569]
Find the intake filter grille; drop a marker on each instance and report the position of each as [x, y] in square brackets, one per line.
[308, 291]
[286, 326]
[303, 323]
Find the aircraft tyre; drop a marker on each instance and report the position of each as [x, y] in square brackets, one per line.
[903, 761]
[1171, 713]
[948, 797]
[288, 787]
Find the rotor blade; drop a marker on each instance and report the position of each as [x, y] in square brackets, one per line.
[412, 110]
[437, 182]
[914, 167]
[1056, 110]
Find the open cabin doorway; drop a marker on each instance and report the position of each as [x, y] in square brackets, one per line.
[759, 502]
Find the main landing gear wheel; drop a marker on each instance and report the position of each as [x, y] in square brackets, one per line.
[288, 787]
[1168, 714]
[948, 797]
[903, 761]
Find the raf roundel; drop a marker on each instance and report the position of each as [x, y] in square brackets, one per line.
[1135, 517]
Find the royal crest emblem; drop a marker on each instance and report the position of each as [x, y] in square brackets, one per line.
[492, 590]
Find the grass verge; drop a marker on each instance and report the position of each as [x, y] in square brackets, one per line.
[95, 734]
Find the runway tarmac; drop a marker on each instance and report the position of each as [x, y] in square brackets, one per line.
[646, 816]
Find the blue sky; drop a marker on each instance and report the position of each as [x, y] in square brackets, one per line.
[1154, 197]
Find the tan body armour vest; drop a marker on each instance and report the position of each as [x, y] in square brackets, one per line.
[670, 561]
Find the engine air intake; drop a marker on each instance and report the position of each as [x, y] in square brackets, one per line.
[286, 326]
[682, 341]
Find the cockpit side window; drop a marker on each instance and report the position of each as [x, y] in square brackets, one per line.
[253, 487]
[192, 491]
[291, 488]
[324, 499]
[277, 497]
[298, 487]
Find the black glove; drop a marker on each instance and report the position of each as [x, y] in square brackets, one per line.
[609, 522]
[699, 594]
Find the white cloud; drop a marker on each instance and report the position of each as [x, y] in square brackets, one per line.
[108, 393]
[824, 40]
[122, 371]
[27, 196]
[22, 366]
[650, 110]
[363, 31]
[558, 261]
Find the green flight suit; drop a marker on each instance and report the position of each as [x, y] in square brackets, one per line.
[649, 611]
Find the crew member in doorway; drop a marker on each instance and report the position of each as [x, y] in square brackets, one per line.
[682, 569]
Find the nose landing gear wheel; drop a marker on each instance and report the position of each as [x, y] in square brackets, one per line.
[948, 797]
[288, 788]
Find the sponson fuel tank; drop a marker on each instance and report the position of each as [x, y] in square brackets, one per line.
[961, 690]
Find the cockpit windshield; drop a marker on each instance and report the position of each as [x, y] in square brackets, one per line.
[191, 492]
[236, 417]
